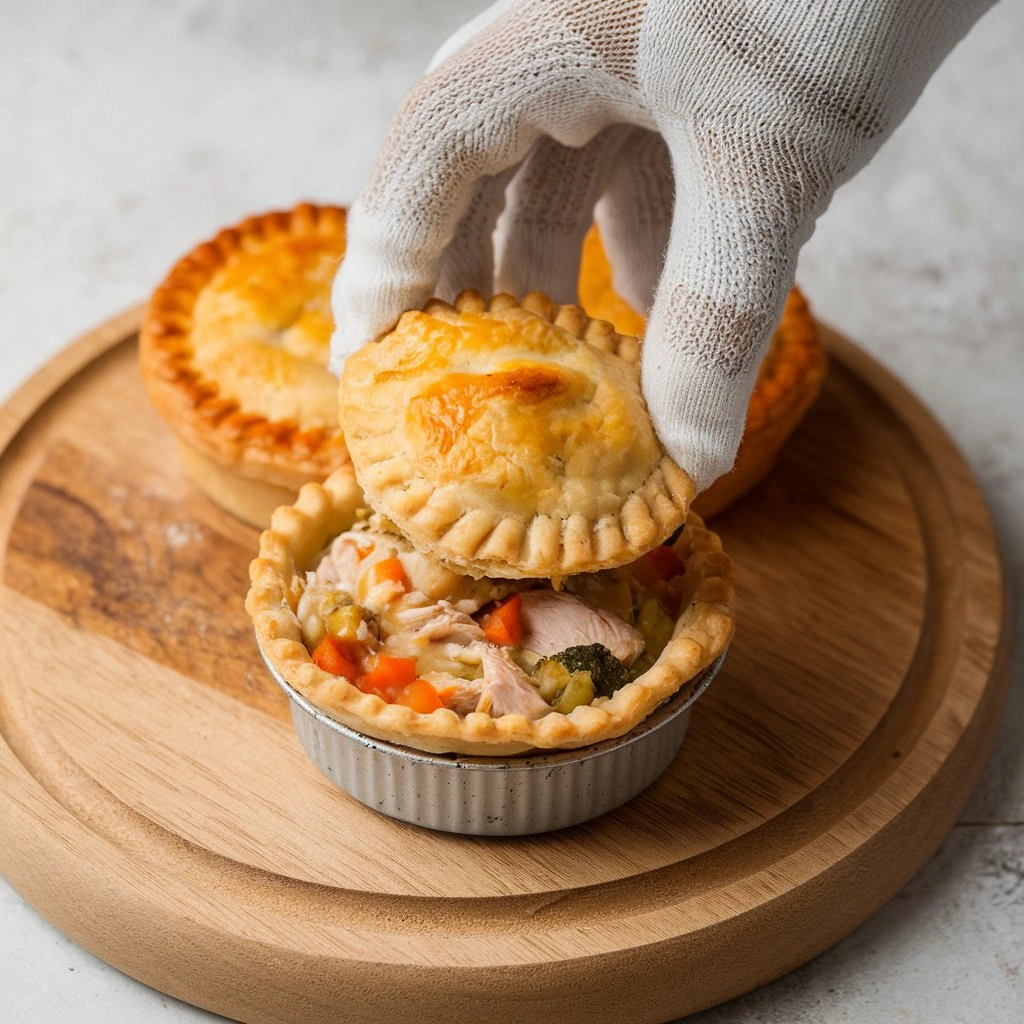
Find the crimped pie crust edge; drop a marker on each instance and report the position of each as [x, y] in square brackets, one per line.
[299, 532]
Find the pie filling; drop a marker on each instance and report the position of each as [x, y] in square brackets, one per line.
[395, 623]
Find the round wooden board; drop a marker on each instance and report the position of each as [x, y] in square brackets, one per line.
[156, 805]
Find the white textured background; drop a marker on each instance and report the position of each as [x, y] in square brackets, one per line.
[130, 130]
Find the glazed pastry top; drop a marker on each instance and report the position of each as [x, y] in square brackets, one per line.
[262, 328]
[509, 442]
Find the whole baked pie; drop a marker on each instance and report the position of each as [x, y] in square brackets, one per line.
[510, 440]
[233, 351]
[394, 644]
[789, 379]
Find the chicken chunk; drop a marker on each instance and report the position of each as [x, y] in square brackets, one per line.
[507, 689]
[554, 620]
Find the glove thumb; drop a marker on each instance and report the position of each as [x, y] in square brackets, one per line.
[717, 303]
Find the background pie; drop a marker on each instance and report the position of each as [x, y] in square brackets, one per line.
[233, 351]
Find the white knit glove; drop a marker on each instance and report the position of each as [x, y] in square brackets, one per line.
[756, 109]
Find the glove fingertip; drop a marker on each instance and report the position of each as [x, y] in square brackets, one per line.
[703, 468]
[345, 341]
[698, 415]
[336, 363]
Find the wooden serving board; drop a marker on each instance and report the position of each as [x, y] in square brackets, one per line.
[157, 807]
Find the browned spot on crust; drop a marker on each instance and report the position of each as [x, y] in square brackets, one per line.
[447, 409]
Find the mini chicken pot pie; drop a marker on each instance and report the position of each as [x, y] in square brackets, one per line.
[510, 440]
[396, 646]
[789, 379]
[233, 351]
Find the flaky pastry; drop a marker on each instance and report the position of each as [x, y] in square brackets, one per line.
[511, 439]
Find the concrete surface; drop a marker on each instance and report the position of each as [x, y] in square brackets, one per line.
[129, 130]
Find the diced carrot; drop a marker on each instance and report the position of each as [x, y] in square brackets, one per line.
[660, 563]
[334, 656]
[421, 696]
[503, 625]
[388, 676]
[666, 561]
[389, 570]
[361, 550]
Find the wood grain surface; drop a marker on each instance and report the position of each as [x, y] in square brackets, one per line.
[156, 805]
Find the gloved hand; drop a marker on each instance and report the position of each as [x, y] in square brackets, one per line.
[756, 112]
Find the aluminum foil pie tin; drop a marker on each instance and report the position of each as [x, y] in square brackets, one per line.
[491, 796]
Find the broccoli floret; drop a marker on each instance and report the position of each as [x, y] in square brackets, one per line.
[562, 689]
[606, 671]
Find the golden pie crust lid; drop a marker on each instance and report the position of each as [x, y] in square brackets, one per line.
[511, 440]
[234, 346]
[300, 532]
